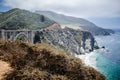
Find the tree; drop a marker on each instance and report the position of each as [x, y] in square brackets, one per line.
[42, 18]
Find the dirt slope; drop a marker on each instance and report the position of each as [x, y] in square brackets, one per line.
[42, 62]
[4, 69]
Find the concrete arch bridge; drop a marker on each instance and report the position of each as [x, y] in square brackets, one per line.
[26, 35]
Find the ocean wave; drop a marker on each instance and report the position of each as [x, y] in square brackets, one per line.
[89, 59]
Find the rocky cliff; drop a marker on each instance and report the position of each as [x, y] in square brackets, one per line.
[70, 40]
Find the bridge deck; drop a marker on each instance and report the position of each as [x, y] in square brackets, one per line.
[19, 30]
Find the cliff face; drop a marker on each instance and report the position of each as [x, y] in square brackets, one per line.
[72, 41]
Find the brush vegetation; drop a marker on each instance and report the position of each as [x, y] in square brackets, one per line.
[42, 62]
[23, 19]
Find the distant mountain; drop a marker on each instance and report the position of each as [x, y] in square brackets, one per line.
[110, 31]
[23, 19]
[116, 30]
[68, 20]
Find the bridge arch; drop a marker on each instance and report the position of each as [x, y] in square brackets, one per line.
[28, 35]
[22, 36]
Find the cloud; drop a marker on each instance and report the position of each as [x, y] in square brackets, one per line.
[78, 8]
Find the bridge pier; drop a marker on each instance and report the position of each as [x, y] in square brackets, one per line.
[3, 34]
[31, 36]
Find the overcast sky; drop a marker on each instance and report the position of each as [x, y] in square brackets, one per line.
[89, 9]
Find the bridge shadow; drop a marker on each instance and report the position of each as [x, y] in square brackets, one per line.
[37, 38]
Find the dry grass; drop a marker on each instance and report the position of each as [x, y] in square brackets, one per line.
[41, 62]
[4, 69]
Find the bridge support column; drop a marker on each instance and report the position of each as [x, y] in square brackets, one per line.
[31, 36]
[3, 34]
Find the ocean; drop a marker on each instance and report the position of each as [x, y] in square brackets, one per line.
[106, 61]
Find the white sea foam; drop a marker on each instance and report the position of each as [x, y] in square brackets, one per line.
[89, 59]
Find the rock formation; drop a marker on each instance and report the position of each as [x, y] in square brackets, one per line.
[70, 40]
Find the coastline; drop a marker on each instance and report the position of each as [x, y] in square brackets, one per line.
[89, 59]
[107, 60]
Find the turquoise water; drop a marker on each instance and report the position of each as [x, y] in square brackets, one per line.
[108, 60]
[110, 69]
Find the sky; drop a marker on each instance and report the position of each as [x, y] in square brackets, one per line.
[104, 13]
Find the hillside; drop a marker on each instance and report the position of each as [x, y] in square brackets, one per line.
[42, 62]
[68, 20]
[0, 13]
[22, 19]
[73, 41]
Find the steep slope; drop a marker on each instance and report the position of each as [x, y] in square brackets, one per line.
[22, 19]
[63, 19]
[68, 20]
[42, 62]
[72, 41]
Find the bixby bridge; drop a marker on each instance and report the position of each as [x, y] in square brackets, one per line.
[28, 35]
